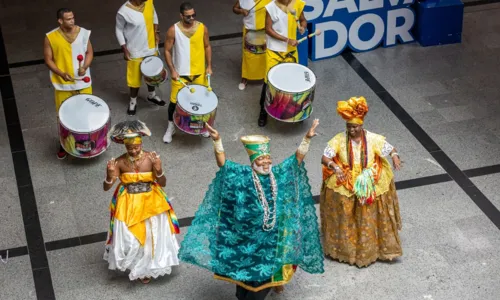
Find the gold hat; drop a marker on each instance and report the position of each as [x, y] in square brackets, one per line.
[256, 146]
[353, 110]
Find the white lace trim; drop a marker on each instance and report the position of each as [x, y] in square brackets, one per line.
[386, 149]
[329, 152]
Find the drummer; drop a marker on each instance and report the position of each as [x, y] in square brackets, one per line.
[138, 33]
[64, 47]
[189, 58]
[254, 16]
[281, 43]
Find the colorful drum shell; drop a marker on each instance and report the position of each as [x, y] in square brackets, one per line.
[84, 122]
[290, 92]
[193, 110]
[255, 41]
[153, 71]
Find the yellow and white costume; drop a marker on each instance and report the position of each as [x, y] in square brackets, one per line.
[285, 24]
[188, 57]
[65, 54]
[135, 28]
[252, 66]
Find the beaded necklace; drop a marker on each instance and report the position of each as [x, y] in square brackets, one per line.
[135, 162]
[269, 218]
[364, 150]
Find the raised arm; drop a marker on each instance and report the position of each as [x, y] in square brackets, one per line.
[304, 146]
[220, 156]
[157, 168]
[112, 171]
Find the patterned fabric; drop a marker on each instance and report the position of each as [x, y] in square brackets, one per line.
[360, 234]
[138, 187]
[329, 152]
[226, 236]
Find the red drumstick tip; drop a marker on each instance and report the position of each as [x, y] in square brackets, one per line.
[86, 79]
[79, 57]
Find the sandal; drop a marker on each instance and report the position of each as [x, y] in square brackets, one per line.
[145, 280]
[279, 289]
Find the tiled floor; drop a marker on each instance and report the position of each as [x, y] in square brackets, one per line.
[451, 92]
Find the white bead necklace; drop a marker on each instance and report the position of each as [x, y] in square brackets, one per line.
[268, 214]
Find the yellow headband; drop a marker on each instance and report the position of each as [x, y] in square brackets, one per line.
[136, 140]
[353, 110]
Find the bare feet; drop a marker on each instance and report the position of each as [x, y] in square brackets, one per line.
[279, 289]
[145, 280]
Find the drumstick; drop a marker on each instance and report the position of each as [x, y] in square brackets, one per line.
[254, 6]
[317, 32]
[192, 90]
[85, 79]
[294, 13]
[209, 87]
[80, 59]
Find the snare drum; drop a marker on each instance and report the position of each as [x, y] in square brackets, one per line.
[290, 92]
[84, 122]
[193, 110]
[153, 71]
[255, 41]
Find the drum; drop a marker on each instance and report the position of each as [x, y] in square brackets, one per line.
[84, 121]
[255, 41]
[193, 110]
[290, 92]
[153, 71]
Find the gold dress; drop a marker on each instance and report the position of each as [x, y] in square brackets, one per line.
[353, 232]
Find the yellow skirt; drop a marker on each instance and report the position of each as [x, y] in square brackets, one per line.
[360, 234]
[273, 58]
[253, 66]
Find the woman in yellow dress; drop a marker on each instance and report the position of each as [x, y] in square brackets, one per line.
[143, 224]
[359, 206]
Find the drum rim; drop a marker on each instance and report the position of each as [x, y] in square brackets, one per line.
[269, 82]
[290, 122]
[108, 144]
[90, 132]
[177, 98]
[175, 113]
[75, 131]
[152, 56]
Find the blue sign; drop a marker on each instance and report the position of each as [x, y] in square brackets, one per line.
[361, 25]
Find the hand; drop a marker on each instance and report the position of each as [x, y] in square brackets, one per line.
[302, 30]
[155, 159]
[213, 133]
[67, 77]
[82, 71]
[312, 131]
[396, 162]
[340, 174]
[175, 75]
[126, 53]
[209, 70]
[292, 43]
[245, 12]
[111, 169]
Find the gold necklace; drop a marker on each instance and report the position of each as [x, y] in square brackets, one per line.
[134, 162]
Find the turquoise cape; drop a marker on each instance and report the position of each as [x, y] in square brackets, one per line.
[226, 235]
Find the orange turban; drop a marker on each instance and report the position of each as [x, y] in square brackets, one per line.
[353, 110]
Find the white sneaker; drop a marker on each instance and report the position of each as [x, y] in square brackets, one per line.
[205, 134]
[167, 138]
[242, 86]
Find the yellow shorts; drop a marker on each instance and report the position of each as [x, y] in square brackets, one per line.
[273, 58]
[61, 96]
[177, 86]
[134, 75]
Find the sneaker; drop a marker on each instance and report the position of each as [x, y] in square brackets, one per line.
[61, 153]
[131, 109]
[167, 138]
[205, 134]
[156, 100]
[242, 86]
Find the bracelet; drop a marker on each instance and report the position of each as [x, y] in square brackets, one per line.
[218, 146]
[304, 146]
[395, 153]
[112, 180]
[161, 175]
[287, 41]
[328, 166]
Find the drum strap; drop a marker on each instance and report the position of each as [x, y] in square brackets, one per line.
[289, 55]
[190, 79]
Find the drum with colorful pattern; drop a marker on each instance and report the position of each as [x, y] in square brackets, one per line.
[255, 41]
[195, 109]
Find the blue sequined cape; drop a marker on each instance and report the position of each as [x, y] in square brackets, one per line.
[226, 235]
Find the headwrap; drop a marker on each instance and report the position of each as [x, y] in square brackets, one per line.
[129, 132]
[353, 110]
[256, 146]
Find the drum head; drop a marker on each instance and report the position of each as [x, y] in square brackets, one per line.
[83, 113]
[291, 77]
[151, 66]
[200, 102]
